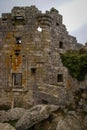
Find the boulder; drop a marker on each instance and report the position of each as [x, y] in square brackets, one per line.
[35, 115]
[6, 126]
[4, 116]
[69, 122]
[12, 114]
[16, 113]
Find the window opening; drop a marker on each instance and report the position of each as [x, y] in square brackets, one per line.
[57, 24]
[4, 19]
[33, 71]
[19, 20]
[17, 79]
[60, 44]
[18, 17]
[39, 29]
[60, 78]
[17, 52]
[18, 40]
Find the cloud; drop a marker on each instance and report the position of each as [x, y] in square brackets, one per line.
[7, 5]
[74, 14]
[81, 34]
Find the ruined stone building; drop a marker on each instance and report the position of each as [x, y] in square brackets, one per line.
[31, 70]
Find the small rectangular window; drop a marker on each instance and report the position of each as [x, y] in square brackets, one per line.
[17, 52]
[60, 78]
[57, 24]
[61, 44]
[17, 79]
[19, 18]
[4, 19]
[33, 71]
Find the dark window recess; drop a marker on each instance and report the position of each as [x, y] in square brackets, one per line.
[57, 24]
[19, 18]
[17, 52]
[60, 78]
[4, 19]
[33, 71]
[11, 56]
[60, 44]
[17, 79]
[49, 53]
[18, 40]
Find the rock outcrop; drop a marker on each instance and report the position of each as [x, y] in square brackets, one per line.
[69, 123]
[12, 114]
[35, 115]
[6, 126]
[46, 117]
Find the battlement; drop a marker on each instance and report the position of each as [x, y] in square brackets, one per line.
[6, 16]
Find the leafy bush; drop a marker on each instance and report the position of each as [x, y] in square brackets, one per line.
[5, 107]
[76, 63]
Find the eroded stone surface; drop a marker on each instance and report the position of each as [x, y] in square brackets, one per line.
[49, 117]
[12, 114]
[35, 115]
[6, 126]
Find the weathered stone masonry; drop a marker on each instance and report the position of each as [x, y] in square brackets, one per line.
[31, 70]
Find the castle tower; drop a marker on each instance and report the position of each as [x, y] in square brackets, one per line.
[31, 69]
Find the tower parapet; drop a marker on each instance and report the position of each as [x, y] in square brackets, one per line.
[45, 19]
[56, 16]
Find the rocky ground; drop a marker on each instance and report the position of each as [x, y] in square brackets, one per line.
[43, 117]
[71, 116]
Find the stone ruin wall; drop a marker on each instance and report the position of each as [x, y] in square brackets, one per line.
[31, 72]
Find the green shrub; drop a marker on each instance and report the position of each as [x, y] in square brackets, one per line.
[76, 64]
[4, 107]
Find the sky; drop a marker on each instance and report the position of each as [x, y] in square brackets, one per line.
[74, 13]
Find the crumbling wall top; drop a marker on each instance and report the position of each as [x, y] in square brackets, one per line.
[54, 10]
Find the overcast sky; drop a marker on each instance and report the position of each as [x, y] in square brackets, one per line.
[74, 13]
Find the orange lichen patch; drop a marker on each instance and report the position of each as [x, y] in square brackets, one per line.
[16, 62]
[17, 47]
[23, 81]
[24, 77]
[7, 60]
[9, 35]
[68, 84]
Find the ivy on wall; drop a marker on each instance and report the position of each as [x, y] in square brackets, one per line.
[76, 62]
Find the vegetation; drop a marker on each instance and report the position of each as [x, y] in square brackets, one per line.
[12, 122]
[4, 107]
[76, 62]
